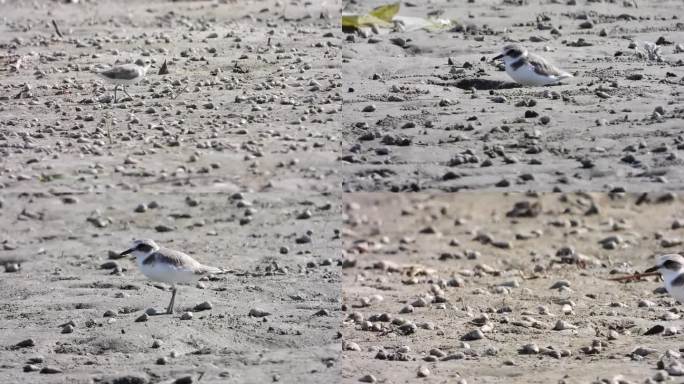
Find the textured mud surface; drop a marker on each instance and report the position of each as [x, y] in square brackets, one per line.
[464, 287]
[203, 160]
[251, 97]
[415, 122]
[63, 243]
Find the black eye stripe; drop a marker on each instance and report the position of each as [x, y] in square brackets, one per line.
[143, 247]
[671, 264]
[514, 52]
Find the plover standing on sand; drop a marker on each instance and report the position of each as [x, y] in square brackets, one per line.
[529, 69]
[168, 266]
[671, 268]
[126, 74]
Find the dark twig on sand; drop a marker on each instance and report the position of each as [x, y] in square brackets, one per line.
[178, 179]
[54, 24]
[634, 277]
[108, 123]
[179, 92]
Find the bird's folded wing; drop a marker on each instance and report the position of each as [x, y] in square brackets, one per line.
[541, 67]
[206, 270]
[123, 72]
[175, 258]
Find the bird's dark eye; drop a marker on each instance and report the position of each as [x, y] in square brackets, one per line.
[671, 264]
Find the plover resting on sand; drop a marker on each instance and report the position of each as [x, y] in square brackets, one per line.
[671, 268]
[168, 266]
[126, 74]
[529, 69]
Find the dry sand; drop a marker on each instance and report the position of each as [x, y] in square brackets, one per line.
[243, 148]
[422, 132]
[62, 279]
[463, 265]
[234, 145]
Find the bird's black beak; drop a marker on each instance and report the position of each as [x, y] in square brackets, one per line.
[497, 57]
[126, 252]
[652, 269]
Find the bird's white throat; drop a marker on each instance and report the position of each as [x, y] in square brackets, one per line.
[140, 256]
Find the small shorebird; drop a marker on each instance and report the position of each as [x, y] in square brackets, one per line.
[168, 266]
[126, 74]
[529, 69]
[671, 268]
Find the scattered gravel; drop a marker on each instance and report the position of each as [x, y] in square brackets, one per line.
[463, 309]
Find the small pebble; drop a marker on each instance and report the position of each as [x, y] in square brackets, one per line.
[50, 370]
[186, 316]
[203, 306]
[473, 335]
[529, 349]
[255, 312]
[183, 380]
[423, 371]
[25, 343]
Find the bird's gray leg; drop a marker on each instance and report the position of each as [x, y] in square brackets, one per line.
[169, 310]
[124, 89]
[115, 87]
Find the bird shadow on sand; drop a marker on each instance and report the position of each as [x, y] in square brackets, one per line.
[485, 84]
[479, 84]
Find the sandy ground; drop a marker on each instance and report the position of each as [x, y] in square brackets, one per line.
[237, 156]
[256, 116]
[454, 285]
[233, 146]
[408, 126]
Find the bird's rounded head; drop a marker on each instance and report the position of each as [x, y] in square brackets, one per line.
[142, 63]
[141, 248]
[512, 52]
[668, 265]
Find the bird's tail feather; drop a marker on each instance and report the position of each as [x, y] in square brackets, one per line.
[216, 271]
